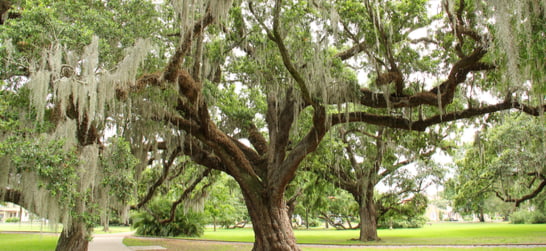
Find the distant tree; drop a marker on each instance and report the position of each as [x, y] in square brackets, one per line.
[357, 165]
[401, 212]
[225, 204]
[505, 160]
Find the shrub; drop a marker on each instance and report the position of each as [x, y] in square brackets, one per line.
[414, 222]
[12, 220]
[537, 218]
[518, 217]
[526, 217]
[188, 223]
[314, 223]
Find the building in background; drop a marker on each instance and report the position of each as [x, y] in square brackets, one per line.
[10, 211]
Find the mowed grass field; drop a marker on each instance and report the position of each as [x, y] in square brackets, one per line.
[53, 228]
[436, 234]
[28, 242]
[442, 233]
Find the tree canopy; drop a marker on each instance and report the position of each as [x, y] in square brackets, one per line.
[195, 78]
[503, 161]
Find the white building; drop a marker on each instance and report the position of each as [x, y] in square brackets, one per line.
[10, 210]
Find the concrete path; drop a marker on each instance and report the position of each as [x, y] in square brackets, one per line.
[114, 242]
[110, 242]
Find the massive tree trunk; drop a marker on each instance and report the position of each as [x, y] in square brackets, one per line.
[368, 217]
[270, 221]
[74, 237]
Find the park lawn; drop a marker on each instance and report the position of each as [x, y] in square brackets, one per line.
[449, 233]
[27, 242]
[197, 245]
[443, 233]
[53, 228]
[467, 233]
[34, 227]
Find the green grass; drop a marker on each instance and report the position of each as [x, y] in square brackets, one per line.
[37, 227]
[444, 233]
[195, 245]
[27, 242]
[468, 233]
[45, 238]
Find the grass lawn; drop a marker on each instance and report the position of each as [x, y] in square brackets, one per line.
[37, 227]
[44, 240]
[442, 233]
[27, 242]
[446, 233]
[196, 245]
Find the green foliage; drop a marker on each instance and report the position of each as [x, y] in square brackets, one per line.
[503, 160]
[416, 222]
[225, 204]
[185, 223]
[408, 214]
[528, 217]
[118, 167]
[13, 219]
[118, 23]
[55, 166]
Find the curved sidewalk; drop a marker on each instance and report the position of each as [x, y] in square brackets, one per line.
[114, 242]
[111, 242]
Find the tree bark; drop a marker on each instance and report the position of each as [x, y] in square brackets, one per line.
[74, 237]
[270, 221]
[368, 217]
[481, 215]
[214, 222]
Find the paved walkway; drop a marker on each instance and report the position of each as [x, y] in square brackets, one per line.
[114, 242]
[110, 242]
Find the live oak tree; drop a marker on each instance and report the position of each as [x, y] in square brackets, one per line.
[362, 159]
[505, 160]
[57, 161]
[46, 172]
[292, 60]
[65, 101]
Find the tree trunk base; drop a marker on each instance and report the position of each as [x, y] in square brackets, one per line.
[72, 239]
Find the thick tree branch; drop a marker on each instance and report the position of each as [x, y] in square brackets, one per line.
[286, 57]
[446, 90]
[280, 117]
[185, 195]
[422, 124]
[256, 139]
[5, 13]
[308, 144]
[11, 195]
[176, 60]
[164, 173]
[526, 197]
[251, 155]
